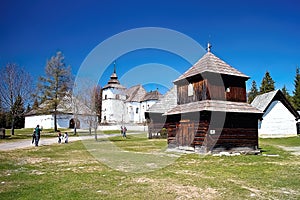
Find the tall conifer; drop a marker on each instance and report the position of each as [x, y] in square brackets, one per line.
[253, 92]
[267, 84]
[296, 92]
[55, 84]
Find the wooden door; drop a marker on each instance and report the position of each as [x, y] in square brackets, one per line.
[185, 134]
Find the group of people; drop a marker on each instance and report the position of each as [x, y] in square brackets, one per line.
[62, 137]
[37, 135]
[123, 131]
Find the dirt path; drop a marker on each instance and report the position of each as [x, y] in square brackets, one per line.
[48, 141]
[293, 150]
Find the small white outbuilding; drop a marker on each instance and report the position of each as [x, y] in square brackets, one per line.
[66, 115]
[279, 118]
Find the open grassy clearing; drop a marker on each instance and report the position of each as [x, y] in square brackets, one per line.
[288, 142]
[72, 172]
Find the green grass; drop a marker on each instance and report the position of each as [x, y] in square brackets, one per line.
[139, 143]
[288, 142]
[71, 171]
[113, 132]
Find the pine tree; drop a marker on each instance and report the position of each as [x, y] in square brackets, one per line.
[28, 109]
[253, 92]
[18, 110]
[35, 105]
[296, 92]
[267, 84]
[286, 94]
[55, 84]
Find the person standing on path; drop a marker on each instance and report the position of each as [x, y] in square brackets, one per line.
[66, 137]
[59, 136]
[124, 131]
[37, 135]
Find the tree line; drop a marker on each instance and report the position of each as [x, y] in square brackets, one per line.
[268, 85]
[19, 95]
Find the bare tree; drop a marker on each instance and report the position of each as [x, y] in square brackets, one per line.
[85, 103]
[15, 84]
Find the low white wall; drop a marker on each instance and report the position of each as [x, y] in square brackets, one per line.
[118, 127]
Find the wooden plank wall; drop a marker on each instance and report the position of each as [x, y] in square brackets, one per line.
[232, 135]
[211, 90]
[200, 92]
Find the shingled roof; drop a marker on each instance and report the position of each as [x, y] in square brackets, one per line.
[135, 93]
[213, 105]
[152, 95]
[68, 105]
[263, 101]
[211, 63]
[168, 101]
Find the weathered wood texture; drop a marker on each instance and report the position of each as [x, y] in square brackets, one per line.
[204, 133]
[157, 122]
[216, 88]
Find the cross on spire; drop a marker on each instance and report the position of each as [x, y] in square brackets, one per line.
[208, 47]
[115, 67]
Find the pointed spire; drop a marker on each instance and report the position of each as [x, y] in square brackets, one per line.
[208, 47]
[115, 67]
[114, 77]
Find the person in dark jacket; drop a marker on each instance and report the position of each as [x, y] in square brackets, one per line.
[37, 135]
[33, 137]
[124, 131]
[59, 136]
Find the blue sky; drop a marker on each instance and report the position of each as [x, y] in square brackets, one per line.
[252, 36]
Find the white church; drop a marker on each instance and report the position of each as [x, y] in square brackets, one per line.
[122, 106]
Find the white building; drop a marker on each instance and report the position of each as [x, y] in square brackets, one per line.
[121, 105]
[279, 119]
[66, 116]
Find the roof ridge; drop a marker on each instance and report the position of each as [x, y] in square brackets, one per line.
[211, 63]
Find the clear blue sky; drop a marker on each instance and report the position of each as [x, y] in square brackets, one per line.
[252, 36]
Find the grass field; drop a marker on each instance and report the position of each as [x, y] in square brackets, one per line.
[71, 171]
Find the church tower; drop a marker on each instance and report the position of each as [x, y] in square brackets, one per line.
[113, 100]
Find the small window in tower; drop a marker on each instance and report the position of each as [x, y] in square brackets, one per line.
[137, 110]
[190, 90]
[105, 97]
[117, 96]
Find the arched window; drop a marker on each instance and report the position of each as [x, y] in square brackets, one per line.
[137, 110]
